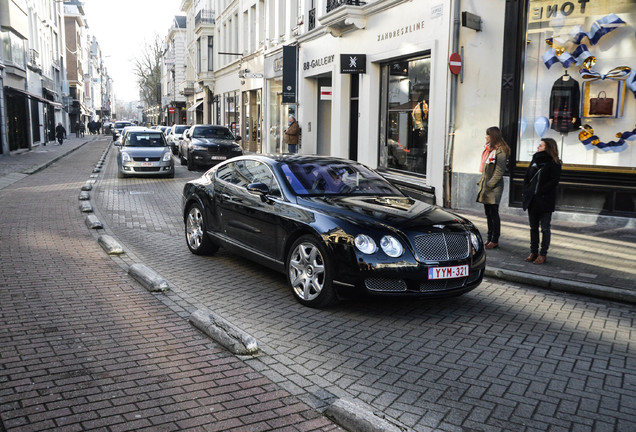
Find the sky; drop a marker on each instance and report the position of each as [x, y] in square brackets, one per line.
[123, 28]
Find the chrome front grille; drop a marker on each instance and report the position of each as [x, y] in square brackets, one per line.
[385, 285]
[442, 246]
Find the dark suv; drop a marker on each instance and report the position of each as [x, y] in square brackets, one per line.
[118, 126]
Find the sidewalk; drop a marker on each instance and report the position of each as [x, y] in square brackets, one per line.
[15, 167]
[585, 258]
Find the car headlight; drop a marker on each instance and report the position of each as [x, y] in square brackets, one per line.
[365, 244]
[474, 239]
[167, 156]
[125, 157]
[236, 148]
[391, 246]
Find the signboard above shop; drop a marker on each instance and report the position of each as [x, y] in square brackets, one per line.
[353, 63]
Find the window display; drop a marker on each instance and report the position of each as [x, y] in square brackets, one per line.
[406, 87]
[580, 82]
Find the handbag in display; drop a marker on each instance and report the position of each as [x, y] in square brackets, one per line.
[601, 105]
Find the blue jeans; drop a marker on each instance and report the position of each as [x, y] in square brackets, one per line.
[292, 148]
[543, 220]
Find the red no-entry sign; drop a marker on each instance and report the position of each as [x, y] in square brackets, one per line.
[171, 110]
[455, 63]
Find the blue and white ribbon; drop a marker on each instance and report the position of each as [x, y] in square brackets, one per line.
[620, 73]
[578, 57]
[594, 141]
[599, 28]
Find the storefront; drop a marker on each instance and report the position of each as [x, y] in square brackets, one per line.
[380, 95]
[578, 86]
[278, 112]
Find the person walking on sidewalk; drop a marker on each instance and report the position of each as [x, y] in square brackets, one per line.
[491, 184]
[539, 196]
[60, 133]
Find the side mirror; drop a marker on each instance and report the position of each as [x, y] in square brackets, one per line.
[259, 189]
[237, 138]
[117, 143]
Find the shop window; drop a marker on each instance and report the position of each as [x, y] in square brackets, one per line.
[405, 113]
[578, 83]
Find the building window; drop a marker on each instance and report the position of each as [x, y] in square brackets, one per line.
[13, 50]
[210, 53]
[558, 100]
[199, 55]
[404, 114]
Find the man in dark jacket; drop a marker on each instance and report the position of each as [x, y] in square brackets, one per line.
[539, 196]
[60, 133]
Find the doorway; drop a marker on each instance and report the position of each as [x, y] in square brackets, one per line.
[324, 117]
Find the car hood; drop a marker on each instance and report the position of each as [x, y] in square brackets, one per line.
[144, 151]
[213, 141]
[403, 213]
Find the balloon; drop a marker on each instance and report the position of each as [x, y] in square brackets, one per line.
[541, 125]
[524, 125]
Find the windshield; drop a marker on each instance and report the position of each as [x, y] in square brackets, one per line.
[122, 124]
[180, 129]
[145, 140]
[335, 178]
[212, 132]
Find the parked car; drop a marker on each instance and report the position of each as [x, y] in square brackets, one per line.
[144, 151]
[164, 129]
[207, 145]
[327, 223]
[174, 135]
[118, 126]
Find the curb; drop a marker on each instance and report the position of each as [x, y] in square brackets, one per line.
[356, 417]
[557, 284]
[52, 161]
[110, 245]
[148, 278]
[224, 332]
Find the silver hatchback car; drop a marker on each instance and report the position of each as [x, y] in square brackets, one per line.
[144, 152]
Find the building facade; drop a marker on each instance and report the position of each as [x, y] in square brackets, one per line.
[33, 57]
[410, 86]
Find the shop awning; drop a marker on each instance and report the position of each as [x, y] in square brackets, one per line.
[34, 97]
[195, 106]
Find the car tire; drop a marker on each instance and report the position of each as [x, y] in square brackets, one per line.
[120, 174]
[195, 231]
[182, 160]
[190, 164]
[310, 273]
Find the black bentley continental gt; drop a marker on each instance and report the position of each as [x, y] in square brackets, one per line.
[329, 224]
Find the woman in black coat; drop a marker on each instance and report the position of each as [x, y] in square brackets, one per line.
[539, 196]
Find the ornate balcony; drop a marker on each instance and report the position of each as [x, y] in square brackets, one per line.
[333, 4]
[204, 16]
[343, 16]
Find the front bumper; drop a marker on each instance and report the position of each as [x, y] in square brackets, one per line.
[406, 275]
[206, 158]
[160, 168]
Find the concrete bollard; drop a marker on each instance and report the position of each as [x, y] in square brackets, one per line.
[224, 333]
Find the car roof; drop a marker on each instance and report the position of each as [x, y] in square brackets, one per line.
[141, 129]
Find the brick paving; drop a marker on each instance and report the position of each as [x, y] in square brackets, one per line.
[86, 348]
[506, 356]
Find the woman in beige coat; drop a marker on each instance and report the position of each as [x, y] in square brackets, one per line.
[491, 183]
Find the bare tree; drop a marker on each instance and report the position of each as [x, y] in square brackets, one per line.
[148, 72]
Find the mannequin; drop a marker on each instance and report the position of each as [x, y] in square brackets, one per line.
[565, 99]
